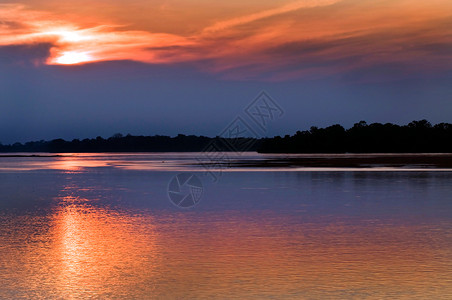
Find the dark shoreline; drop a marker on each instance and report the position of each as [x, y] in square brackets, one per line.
[386, 160]
[30, 155]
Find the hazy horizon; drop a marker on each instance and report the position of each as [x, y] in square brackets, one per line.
[201, 135]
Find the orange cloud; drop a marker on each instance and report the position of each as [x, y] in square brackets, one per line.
[269, 13]
[308, 38]
[72, 44]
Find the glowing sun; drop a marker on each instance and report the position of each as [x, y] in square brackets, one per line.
[73, 57]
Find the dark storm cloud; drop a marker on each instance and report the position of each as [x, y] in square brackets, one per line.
[24, 54]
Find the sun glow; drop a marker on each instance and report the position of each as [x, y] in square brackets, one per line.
[68, 35]
[73, 57]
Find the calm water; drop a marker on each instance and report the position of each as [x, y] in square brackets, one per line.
[101, 226]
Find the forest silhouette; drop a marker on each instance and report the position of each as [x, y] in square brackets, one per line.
[415, 137]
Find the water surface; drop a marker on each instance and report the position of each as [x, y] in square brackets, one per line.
[101, 226]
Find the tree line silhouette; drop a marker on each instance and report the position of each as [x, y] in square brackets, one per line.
[130, 143]
[415, 137]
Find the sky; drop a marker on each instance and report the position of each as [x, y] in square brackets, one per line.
[79, 69]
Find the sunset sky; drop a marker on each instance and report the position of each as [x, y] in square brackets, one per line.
[77, 69]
